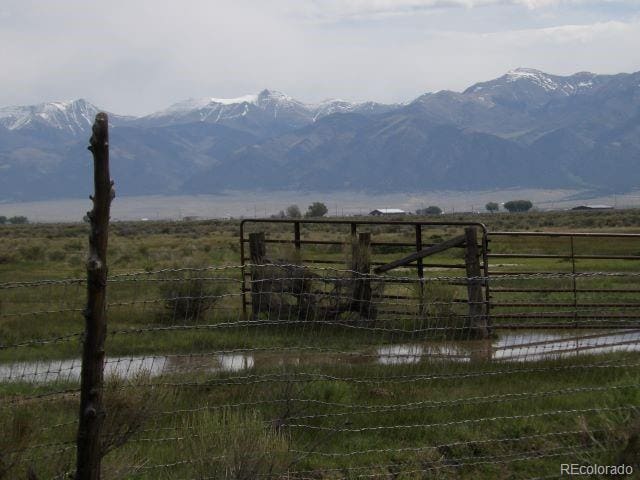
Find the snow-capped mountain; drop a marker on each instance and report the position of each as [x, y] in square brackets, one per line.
[332, 106]
[215, 110]
[271, 111]
[553, 83]
[524, 128]
[532, 88]
[70, 118]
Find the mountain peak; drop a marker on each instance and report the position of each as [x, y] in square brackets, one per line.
[192, 104]
[275, 95]
[75, 116]
[531, 74]
[525, 70]
[251, 98]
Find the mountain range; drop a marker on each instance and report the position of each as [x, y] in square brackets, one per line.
[526, 128]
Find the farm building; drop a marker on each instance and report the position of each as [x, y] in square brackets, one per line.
[593, 207]
[387, 211]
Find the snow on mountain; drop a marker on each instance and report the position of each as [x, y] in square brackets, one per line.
[566, 85]
[531, 78]
[207, 104]
[534, 76]
[231, 101]
[332, 106]
[329, 107]
[523, 128]
[73, 117]
[267, 104]
[201, 103]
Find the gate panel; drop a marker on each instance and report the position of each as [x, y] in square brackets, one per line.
[564, 280]
[322, 243]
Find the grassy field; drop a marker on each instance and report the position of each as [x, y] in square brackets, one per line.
[212, 397]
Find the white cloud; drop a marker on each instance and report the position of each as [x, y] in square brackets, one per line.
[567, 33]
[140, 55]
[341, 9]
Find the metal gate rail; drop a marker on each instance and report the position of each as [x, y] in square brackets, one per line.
[417, 243]
[579, 304]
[574, 300]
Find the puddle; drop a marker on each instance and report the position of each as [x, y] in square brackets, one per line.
[414, 353]
[514, 347]
[529, 347]
[509, 347]
[127, 368]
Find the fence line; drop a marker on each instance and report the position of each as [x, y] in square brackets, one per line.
[331, 387]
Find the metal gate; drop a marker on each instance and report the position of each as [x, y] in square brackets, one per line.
[529, 279]
[564, 279]
[321, 244]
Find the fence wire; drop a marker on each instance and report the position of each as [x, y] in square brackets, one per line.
[321, 373]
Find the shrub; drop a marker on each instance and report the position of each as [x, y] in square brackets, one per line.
[74, 246]
[18, 220]
[187, 296]
[128, 409]
[17, 428]
[430, 210]
[316, 209]
[32, 252]
[492, 207]
[6, 258]
[235, 445]
[518, 205]
[57, 256]
[3, 219]
[293, 211]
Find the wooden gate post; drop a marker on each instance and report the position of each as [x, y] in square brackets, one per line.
[477, 316]
[361, 267]
[92, 410]
[257, 253]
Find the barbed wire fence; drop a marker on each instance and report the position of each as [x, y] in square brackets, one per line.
[309, 387]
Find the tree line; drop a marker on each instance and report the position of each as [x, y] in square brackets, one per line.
[319, 209]
[512, 206]
[15, 220]
[315, 210]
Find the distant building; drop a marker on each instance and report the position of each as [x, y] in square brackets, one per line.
[593, 207]
[387, 211]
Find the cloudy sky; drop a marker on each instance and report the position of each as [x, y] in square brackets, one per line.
[138, 56]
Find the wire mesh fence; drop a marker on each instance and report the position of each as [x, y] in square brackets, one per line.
[315, 380]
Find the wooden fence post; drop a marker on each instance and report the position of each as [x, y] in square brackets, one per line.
[361, 267]
[92, 410]
[257, 253]
[477, 317]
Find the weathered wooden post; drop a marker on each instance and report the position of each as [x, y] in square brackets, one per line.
[257, 253]
[92, 410]
[361, 267]
[257, 248]
[477, 316]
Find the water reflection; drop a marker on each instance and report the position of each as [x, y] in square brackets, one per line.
[126, 368]
[514, 347]
[508, 347]
[414, 353]
[530, 347]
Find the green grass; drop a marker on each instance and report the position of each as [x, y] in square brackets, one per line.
[325, 379]
[470, 402]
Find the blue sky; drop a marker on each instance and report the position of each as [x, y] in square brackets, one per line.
[134, 56]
